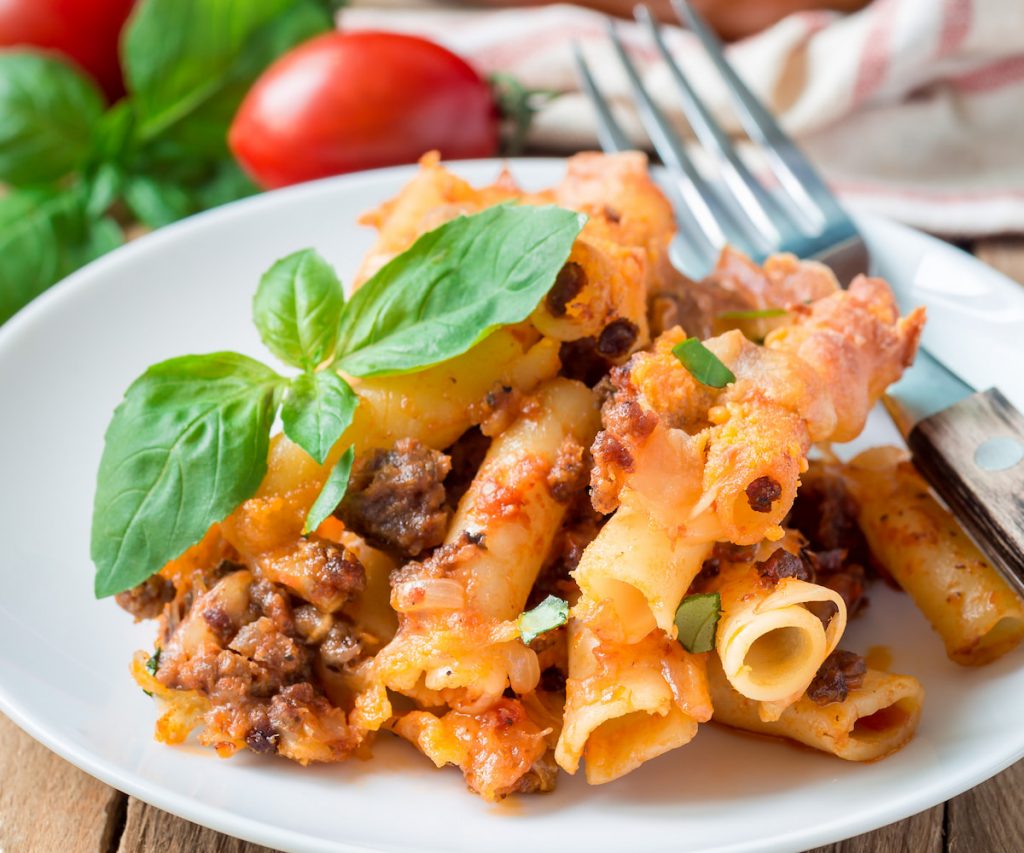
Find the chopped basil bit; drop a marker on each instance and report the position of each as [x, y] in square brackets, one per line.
[703, 364]
[753, 315]
[697, 620]
[153, 664]
[551, 613]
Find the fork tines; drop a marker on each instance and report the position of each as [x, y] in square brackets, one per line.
[737, 208]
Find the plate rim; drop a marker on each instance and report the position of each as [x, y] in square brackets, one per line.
[914, 800]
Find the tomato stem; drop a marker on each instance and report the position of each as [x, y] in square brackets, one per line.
[517, 105]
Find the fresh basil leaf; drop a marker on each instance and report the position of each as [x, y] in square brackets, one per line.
[186, 57]
[175, 185]
[100, 236]
[297, 309]
[551, 613]
[454, 286]
[49, 111]
[103, 186]
[46, 235]
[186, 446]
[697, 620]
[753, 315]
[203, 132]
[157, 203]
[332, 492]
[224, 182]
[113, 135]
[703, 364]
[317, 411]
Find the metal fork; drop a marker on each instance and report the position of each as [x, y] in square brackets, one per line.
[968, 445]
[805, 218]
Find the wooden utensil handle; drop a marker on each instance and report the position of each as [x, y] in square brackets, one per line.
[972, 454]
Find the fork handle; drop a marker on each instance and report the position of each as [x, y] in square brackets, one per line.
[972, 454]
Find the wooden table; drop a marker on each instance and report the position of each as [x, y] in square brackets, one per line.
[46, 805]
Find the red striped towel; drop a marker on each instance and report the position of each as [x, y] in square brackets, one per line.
[912, 108]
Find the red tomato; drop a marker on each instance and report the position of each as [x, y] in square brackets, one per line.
[86, 31]
[348, 101]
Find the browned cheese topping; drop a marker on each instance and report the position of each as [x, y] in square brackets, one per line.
[625, 423]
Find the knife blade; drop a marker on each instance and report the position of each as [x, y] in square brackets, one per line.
[925, 389]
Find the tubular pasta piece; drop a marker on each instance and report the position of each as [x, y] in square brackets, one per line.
[784, 280]
[433, 196]
[873, 721]
[858, 344]
[435, 406]
[638, 572]
[623, 203]
[611, 287]
[975, 612]
[500, 751]
[628, 703]
[770, 645]
[503, 528]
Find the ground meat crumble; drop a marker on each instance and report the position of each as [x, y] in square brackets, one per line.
[396, 498]
[782, 564]
[841, 672]
[762, 493]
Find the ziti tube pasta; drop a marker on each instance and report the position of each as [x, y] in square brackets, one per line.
[499, 751]
[627, 703]
[769, 643]
[457, 642]
[920, 544]
[873, 721]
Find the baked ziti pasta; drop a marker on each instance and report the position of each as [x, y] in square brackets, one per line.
[574, 538]
[928, 554]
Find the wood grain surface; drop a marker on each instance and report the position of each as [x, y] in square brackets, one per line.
[48, 806]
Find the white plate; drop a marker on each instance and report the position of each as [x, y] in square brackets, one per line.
[64, 364]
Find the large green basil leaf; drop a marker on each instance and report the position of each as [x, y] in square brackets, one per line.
[44, 236]
[48, 111]
[454, 286]
[186, 446]
[297, 309]
[317, 411]
[197, 58]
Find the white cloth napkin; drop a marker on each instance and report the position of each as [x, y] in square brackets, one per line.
[911, 108]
